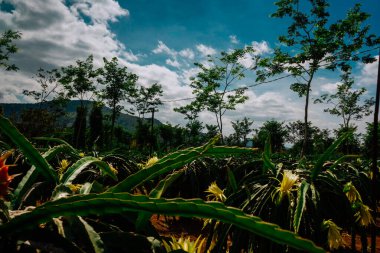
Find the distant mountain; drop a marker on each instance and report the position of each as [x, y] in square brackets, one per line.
[125, 120]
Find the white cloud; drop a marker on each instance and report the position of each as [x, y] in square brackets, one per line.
[162, 48]
[130, 56]
[261, 47]
[173, 63]
[187, 53]
[53, 35]
[233, 39]
[205, 50]
[330, 87]
[368, 73]
[246, 60]
[100, 11]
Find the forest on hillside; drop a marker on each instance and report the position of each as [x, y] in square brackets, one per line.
[88, 167]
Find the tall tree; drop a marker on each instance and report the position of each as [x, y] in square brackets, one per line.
[119, 85]
[346, 101]
[242, 130]
[213, 85]
[314, 42]
[276, 131]
[51, 102]
[146, 99]
[7, 47]
[78, 82]
[96, 126]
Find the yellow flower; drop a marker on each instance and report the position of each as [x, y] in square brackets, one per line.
[75, 187]
[215, 193]
[63, 166]
[151, 161]
[81, 154]
[364, 216]
[334, 238]
[352, 194]
[286, 186]
[114, 170]
[184, 244]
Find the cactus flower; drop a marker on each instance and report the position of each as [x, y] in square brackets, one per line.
[5, 178]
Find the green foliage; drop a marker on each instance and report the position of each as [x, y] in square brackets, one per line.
[301, 203]
[8, 47]
[96, 127]
[242, 130]
[277, 133]
[346, 100]
[173, 161]
[112, 203]
[80, 124]
[28, 149]
[119, 85]
[212, 86]
[318, 43]
[146, 99]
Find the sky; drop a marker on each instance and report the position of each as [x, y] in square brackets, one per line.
[160, 41]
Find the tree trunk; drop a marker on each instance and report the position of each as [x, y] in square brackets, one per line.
[306, 129]
[374, 160]
[113, 123]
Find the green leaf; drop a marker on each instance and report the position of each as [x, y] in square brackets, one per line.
[114, 203]
[94, 237]
[232, 180]
[86, 188]
[268, 165]
[29, 151]
[326, 155]
[62, 142]
[173, 161]
[341, 159]
[32, 174]
[301, 202]
[143, 218]
[74, 170]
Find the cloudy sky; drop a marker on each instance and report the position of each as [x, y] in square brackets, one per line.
[160, 40]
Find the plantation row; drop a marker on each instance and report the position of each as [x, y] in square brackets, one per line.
[85, 202]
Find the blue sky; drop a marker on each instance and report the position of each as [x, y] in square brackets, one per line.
[160, 40]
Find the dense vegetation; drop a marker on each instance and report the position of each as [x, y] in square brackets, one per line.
[96, 186]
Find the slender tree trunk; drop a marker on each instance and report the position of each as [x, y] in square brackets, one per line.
[113, 122]
[306, 129]
[221, 128]
[374, 160]
[151, 134]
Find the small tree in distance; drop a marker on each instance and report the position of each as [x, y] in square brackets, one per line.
[316, 42]
[78, 81]
[346, 100]
[213, 85]
[119, 85]
[7, 47]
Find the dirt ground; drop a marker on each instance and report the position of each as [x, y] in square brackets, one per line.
[171, 226]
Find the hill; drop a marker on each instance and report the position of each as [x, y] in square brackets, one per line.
[14, 110]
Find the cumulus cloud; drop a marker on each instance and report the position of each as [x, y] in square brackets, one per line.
[261, 47]
[233, 39]
[173, 63]
[247, 60]
[330, 87]
[100, 11]
[55, 35]
[162, 48]
[187, 53]
[205, 50]
[368, 73]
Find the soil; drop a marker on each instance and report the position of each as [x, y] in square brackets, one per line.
[191, 227]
